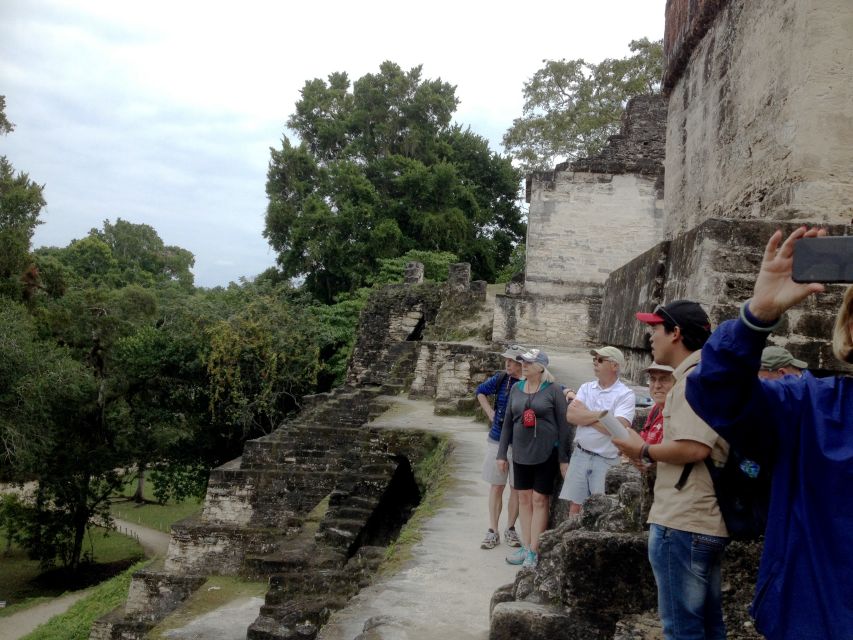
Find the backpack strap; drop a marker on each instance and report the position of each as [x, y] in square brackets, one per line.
[685, 473]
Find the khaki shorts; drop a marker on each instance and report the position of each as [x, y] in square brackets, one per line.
[491, 474]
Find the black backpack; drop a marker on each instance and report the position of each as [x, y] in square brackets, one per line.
[742, 486]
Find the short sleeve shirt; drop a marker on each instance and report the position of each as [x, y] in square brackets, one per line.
[618, 399]
[694, 508]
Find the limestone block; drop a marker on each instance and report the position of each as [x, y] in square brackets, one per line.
[581, 226]
[759, 118]
[513, 620]
[414, 273]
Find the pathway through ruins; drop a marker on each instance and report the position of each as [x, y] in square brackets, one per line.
[444, 590]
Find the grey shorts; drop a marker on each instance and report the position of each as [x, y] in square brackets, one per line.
[586, 476]
[491, 474]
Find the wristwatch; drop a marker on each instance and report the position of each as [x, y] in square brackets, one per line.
[644, 454]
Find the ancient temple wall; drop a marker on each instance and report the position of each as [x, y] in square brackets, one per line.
[759, 121]
[583, 225]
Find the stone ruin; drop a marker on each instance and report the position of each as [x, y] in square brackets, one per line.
[586, 218]
[757, 96]
[594, 581]
[312, 506]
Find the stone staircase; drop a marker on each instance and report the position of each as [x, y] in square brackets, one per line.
[309, 507]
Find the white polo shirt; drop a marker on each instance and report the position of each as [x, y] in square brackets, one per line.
[618, 399]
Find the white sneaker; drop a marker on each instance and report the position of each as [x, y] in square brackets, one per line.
[491, 540]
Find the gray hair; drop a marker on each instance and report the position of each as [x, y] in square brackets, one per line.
[842, 343]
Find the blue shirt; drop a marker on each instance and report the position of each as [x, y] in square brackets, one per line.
[805, 580]
[490, 388]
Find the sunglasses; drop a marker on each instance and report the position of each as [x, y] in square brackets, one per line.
[661, 311]
[600, 359]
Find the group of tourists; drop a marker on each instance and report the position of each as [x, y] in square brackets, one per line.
[712, 392]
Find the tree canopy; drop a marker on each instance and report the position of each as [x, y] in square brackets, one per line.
[571, 107]
[380, 170]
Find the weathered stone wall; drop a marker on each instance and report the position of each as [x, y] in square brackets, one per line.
[583, 225]
[396, 313]
[585, 220]
[759, 123]
[714, 264]
[449, 372]
[155, 594]
[548, 321]
[640, 144]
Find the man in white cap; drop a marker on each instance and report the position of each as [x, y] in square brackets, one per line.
[594, 453]
[499, 386]
[777, 362]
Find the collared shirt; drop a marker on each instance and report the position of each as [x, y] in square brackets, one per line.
[805, 579]
[694, 508]
[499, 385]
[618, 399]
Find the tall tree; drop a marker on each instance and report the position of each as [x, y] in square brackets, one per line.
[21, 202]
[380, 169]
[571, 107]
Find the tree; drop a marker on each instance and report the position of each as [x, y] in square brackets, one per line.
[571, 107]
[21, 202]
[380, 170]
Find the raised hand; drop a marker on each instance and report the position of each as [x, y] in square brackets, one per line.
[775, 292]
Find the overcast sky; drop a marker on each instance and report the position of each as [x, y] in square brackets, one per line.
[164, 112]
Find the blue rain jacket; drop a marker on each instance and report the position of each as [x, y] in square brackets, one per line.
[805, 580]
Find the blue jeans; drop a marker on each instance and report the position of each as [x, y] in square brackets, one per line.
[687, 571]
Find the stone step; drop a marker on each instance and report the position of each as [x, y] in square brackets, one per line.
[298, 618]
[319, 582]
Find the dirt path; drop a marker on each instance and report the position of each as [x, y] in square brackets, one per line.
[154, 543]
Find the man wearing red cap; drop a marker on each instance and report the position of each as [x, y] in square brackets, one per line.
[687, 534]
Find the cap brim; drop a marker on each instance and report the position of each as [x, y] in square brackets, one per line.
[649, 318]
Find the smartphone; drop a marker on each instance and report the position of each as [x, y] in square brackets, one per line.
[827, 259]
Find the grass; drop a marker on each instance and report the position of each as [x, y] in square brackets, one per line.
[433, 476]
[24, 584]
[149, 513]
[76, 623]
[216, 592]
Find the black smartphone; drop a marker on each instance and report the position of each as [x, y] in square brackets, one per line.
[827, 259]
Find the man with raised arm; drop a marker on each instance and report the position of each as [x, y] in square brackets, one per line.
[805, 579]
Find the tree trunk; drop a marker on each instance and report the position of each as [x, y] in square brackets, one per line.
[139, 496]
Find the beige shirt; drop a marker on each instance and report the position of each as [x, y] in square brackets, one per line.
[695, 507]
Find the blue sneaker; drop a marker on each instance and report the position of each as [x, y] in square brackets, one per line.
[517, 557]
[531, 559]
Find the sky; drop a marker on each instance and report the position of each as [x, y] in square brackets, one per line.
[164, 113]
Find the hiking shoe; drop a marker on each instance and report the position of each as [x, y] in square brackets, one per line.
[491, 540]
[517, 557]
[511, 538]
[531, 559]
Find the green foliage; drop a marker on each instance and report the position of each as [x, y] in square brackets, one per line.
[21, 201]
[5, 125]
[571, 107]
[177, 483]
[380, 170]
[76, 623]
[516, 264]
[261, 361]
[436, 264]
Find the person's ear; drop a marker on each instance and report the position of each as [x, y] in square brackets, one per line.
[676, 334]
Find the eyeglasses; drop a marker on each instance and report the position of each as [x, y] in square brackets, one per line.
[600, 359]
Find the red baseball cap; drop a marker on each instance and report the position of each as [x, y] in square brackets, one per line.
[688, 315]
